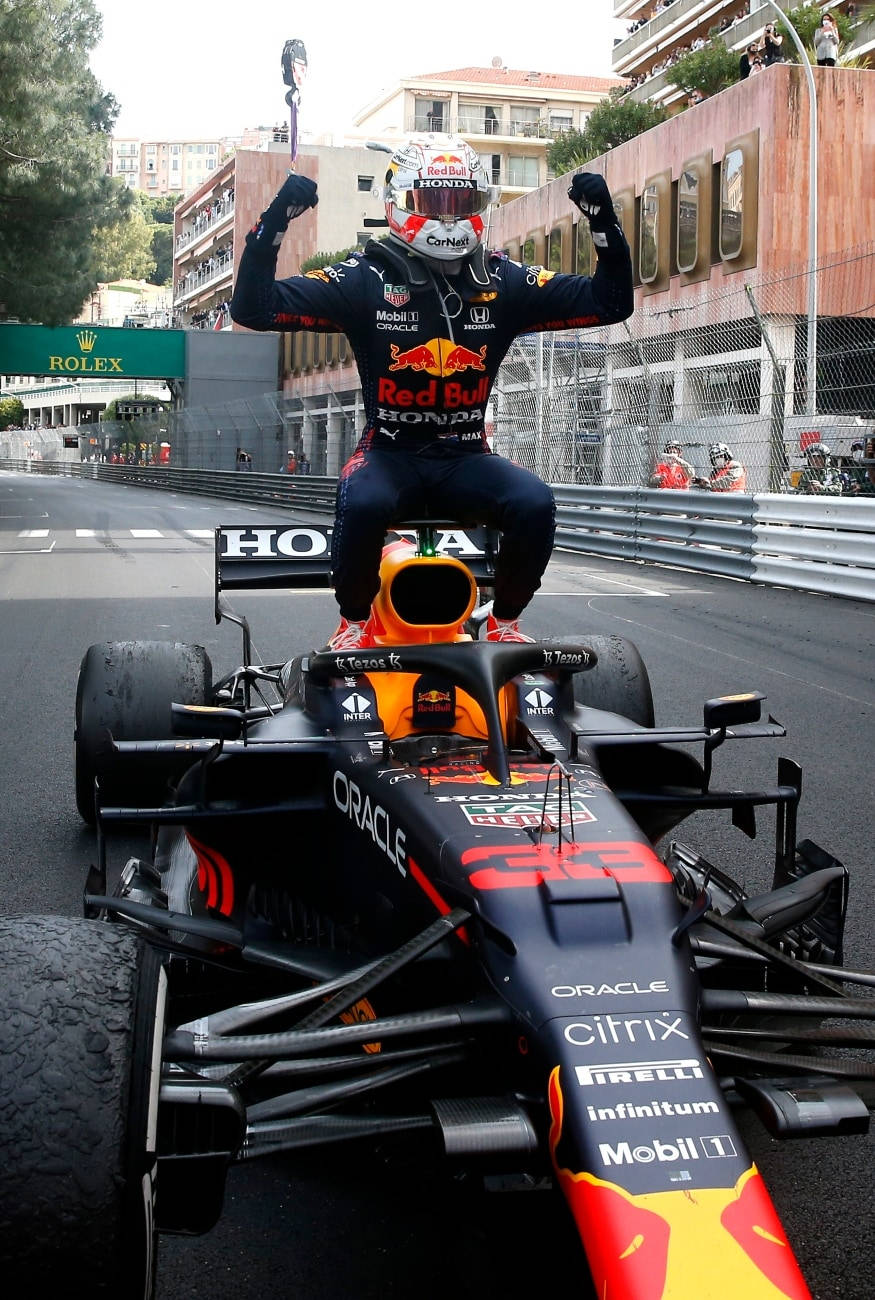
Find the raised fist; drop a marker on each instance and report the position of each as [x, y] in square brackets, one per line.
[590, 193]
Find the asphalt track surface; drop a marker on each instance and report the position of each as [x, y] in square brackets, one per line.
[82, 562]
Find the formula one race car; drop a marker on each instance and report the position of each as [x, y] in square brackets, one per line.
[426, 891]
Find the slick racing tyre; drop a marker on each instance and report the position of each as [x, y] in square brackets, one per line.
[619, 681]
[81, 1022]
[125, 690]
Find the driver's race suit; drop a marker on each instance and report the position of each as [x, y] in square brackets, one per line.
[428, 346]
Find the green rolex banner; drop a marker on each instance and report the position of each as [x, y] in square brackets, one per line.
[92, 350]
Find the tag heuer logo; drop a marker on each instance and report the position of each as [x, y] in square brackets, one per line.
[396, 294]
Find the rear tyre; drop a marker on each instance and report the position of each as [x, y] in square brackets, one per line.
[125, 689]
[619, 681]
[81, 1024]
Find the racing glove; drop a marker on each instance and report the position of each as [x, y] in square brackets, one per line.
[590, 193]
[296, 196]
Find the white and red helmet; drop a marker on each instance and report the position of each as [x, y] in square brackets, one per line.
[436, 193]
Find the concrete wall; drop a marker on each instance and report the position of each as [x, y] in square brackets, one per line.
[226, 367]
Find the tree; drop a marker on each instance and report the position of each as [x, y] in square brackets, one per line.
[159, 213]
[124, 251]
[614, 121]
[708, 70]
[11, 412]
[806, 19]
[55, 131]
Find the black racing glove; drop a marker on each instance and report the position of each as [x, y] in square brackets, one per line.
[296, 196]
[590, 193]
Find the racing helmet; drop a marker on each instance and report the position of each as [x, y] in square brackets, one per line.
[436, 192]
[719, 451]
[817, 449]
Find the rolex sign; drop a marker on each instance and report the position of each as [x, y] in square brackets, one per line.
[91, 351]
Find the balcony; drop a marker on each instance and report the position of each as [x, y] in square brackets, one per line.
[199, 228]
[679, 23]
[485, 128]
[196, 281]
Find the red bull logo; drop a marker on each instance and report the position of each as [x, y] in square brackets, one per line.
[438, 357]
[678, 1245]
[435, 697]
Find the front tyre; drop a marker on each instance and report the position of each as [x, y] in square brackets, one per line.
[125, 689]
[619, 682]
[81, 1026]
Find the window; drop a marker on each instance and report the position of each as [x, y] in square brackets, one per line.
[365, 184]
[522, 172]
[479, 119]
[732, 204]
[429, 115]
[583, 250]
[648, 253]
[560, 120]
[528, 251]
[524, 119]
[211, 148]
[554, 250]
[688, 220]
[174, 148]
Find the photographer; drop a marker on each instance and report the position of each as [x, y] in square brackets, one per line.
[771, 49]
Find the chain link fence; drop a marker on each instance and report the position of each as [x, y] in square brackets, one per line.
[597, 406]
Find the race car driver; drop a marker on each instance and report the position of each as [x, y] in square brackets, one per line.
[430, 314]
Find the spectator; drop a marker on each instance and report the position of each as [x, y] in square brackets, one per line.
[818, 476]
[826, 42]
[671, 470]
[291, 465]
[756, 66]
[746, 61]
[303, 465]
[772, 42]
[728, 474]
[860, 477]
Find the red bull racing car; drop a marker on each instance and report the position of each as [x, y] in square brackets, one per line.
[428, 892]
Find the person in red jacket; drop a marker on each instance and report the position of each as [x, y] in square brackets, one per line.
[671, 470]
[728, 474]
[430, 315]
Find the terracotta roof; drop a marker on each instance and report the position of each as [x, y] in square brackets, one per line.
[514, 77]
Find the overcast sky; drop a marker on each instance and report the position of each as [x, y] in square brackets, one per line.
[181, 69]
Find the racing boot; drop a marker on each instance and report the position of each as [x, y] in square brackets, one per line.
[352, 634]
[505, 629]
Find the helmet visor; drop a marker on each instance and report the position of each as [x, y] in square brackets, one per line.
[445, 198]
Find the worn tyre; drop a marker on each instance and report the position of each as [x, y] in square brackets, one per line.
[125, 689]
[619, 681]
[81, 1019]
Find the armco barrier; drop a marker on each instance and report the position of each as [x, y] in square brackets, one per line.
[815, 545]
[808, 543]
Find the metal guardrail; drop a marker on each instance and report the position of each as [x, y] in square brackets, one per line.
[803, 542]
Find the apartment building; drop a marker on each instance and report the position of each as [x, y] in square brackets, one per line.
[161, 167]
[662, 31]
[211, 223]
[510, 117]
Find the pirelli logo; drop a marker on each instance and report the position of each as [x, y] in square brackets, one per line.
[638, 1072]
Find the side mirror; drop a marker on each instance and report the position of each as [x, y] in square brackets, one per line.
[732, 710]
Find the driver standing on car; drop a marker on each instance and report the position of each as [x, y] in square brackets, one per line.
[430, 314]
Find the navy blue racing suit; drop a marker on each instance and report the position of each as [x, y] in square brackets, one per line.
[428, 346]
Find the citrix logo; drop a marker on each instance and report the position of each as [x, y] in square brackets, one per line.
[614, 1030]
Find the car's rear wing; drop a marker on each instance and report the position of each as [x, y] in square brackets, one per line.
[261, 556]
